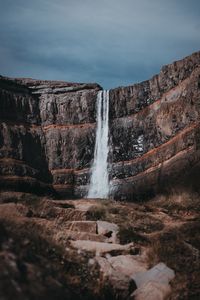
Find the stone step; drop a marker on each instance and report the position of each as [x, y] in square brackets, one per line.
[159, 273]
[71, 214]
[151, 290]
[153, 284]
[116, 271]
[124, 264]
[83, 204]
[81, 226]
[65, 235]
[102, 248]
[107, 229]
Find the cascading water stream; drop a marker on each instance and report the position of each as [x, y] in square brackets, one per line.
[99, 182]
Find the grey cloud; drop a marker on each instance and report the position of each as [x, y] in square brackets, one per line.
[112, 42]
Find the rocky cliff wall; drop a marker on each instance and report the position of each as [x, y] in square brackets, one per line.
[47, 133]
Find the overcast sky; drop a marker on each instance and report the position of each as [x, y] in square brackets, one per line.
[112, 42]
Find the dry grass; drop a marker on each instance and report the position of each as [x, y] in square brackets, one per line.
[178, 203]
[180, 250]
[97, 212]
[127, 234]
[168, 226]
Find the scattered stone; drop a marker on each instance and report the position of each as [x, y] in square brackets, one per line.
[117, 271]
[127, 264]
[160, 273]
[151, 290]
[104, 227]
[122, 264]
[117, 280]
[108, 229]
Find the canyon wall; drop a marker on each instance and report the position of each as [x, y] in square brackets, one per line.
[47, 134]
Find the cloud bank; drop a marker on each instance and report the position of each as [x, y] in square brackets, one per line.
[112, 42]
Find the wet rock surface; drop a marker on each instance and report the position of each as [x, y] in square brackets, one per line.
[60, 249]
[47, 134]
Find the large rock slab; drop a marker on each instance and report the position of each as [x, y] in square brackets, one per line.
[151, 290]
[116, 271]
[108, 229]
[66, 235]
[101, 248]
[159, 273]
[122, 264]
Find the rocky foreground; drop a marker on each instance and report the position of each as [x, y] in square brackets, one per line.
[99, 249]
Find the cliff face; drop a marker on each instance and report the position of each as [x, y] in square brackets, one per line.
[47, 133]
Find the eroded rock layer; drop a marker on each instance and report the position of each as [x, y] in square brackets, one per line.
[47, 133]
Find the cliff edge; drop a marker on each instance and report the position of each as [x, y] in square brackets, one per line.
[47, 134]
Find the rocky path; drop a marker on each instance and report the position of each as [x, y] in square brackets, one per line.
[111, 239]
[121, 265]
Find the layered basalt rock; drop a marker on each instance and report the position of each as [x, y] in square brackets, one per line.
[47, 133]
[46, 129]
[160, 143]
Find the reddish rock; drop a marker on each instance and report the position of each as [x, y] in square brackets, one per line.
[47, 134]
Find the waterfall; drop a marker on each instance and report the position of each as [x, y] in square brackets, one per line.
[99, 182]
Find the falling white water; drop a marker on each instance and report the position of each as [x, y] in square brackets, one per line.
[99, 182]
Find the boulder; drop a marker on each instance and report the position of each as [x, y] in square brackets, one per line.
[108, 229]
[122, 264]
[151, 290]
[160, 274]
